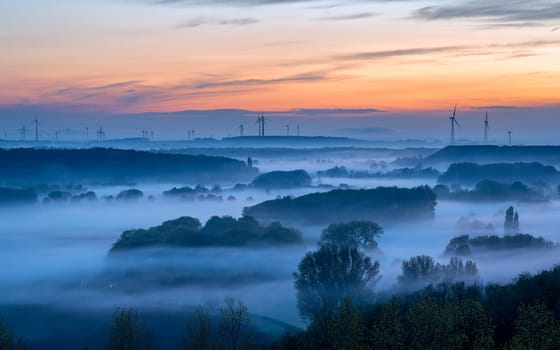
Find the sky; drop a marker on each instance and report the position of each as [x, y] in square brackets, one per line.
[394, 62]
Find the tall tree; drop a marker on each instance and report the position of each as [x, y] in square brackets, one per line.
[127, 332]
[329, 275]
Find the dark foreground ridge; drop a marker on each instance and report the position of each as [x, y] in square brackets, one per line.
[102, 165]
[382, 204]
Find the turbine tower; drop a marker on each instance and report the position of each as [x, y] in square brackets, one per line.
[23, 130]
[36, 123]
[486, 125]
[453, 123]
[259, 121]
[241, 130]
[509, 133]
[287, 129]
[298, 130]
[263, 123]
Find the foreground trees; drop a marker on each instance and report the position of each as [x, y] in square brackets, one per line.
[329, 275]
[127, 332]
[8, 339]
[229, 330]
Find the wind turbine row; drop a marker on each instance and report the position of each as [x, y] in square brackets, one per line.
[486, 124]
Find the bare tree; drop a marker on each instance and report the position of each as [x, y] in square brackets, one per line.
[127, 332]
[234, 324]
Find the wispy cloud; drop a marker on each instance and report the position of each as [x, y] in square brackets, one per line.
[239, 21]
[199, 21]
[354, 16]
[305, 77]
[499, 11]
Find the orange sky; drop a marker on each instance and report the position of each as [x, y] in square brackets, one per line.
[136, 56]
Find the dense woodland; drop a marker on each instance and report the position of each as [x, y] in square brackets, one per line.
[217, 232]
[101, 165]
[472, 173]
[383, 204]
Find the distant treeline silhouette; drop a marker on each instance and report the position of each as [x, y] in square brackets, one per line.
[100, 165]
[472, 173]
[493, 154]
[382, 204]
[218, 232]
[491, 191]
[283, 179]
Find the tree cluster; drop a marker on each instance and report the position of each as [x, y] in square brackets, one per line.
[218, 232]
[382, 204]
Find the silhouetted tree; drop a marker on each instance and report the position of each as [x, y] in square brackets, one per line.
[8, 340]
[355, 234]
[422, 270]
[200, 331]
[234, 323]
[127, 332]
[327, 276]
[511, 224]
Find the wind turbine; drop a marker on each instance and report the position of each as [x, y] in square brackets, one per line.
[453, 123]
[23, 130]
[486, 125]
[287, 129]
[509, 133]
[36, 123]
[241, 129]
[261, 123]
[298, 130]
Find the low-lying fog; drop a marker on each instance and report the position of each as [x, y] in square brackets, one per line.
[56, 253]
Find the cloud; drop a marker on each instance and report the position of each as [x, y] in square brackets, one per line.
[501, 11]
[372, 55]
[198, 21]
[304, 77]
[495, 107]
[193, 23]
[239, 21]
[368, 130]
[505, 50]
[349, 17]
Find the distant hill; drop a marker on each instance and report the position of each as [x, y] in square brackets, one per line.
[102, 165]
[382, 204]
[472, 173]
[493, 154]
[305, 141]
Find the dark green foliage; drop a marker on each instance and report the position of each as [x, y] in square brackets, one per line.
[383, 204]
[17, 196]
[465, 245]
[283, 179]
[8, 340]
[403, 173]
[95, 165]
[361, 234]
[536, 328]
[523, 315]
[329, 275]
[472, 173]
[86, 196]
[130, 194]
[490, 191]
[127, 332]
[419, 271]
[218, 232]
